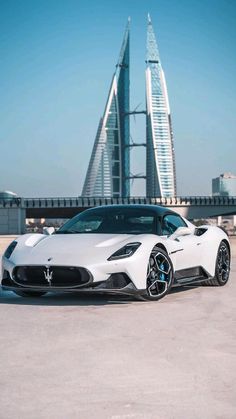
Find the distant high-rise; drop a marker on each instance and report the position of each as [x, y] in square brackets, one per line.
[224, 185]
[160, 176]
[109, 166]
[108, 174]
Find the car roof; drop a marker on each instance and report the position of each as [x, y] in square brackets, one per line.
[159, 210]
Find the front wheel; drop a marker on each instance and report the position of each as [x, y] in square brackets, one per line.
[160, 275]
[30, 293]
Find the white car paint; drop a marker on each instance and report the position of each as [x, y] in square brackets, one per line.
[91, 251]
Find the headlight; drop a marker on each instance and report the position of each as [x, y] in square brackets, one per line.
[9, 250]
[125, 251]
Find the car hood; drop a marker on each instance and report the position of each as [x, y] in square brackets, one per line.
[69, 249]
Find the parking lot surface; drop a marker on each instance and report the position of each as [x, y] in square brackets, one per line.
[69, 356]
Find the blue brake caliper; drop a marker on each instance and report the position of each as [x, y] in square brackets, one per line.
[162, 275]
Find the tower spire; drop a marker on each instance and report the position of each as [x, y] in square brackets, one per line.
[125, 44]
[152, 48]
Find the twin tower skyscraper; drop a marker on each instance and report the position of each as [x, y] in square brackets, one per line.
[108, 173]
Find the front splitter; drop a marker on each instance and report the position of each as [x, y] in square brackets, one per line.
[129, 290]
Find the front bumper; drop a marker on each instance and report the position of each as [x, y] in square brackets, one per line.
[116, 284]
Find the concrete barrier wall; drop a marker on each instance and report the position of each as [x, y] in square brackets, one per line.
[13, 212]
[12, 221]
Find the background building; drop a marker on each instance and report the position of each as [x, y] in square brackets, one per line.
[109, 166]
[7, 195]
[160, 166]
[224, 185]
[108, 173]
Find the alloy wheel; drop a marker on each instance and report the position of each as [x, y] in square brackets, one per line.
[159, 275]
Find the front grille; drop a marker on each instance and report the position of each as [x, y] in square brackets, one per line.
[53, 276]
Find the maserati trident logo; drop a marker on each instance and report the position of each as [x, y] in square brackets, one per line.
[48, 275]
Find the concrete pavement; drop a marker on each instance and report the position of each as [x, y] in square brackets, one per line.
[66, 356]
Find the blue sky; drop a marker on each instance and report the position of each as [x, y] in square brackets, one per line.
[56, 62]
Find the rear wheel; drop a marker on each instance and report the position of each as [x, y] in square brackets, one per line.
[30, 293]
[222, 269]
[159, 275]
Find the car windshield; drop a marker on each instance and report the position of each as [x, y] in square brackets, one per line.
[112, 221]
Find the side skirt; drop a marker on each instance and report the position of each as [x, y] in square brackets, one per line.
[191, 276]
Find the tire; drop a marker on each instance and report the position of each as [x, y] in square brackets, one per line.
[160, 275]
[30, 293]
[222, 268]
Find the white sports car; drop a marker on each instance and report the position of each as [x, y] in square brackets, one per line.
[140, 250]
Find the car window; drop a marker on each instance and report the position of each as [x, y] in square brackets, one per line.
[170, 223]
[115, 220]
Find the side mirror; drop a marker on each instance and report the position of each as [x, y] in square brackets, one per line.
[48, 230]
[181, 231]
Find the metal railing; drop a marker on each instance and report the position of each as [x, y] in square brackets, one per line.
[84, 202]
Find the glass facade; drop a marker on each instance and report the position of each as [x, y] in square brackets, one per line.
[109, 166]
[161, 177]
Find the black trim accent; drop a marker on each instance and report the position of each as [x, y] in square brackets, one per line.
[189, 272]
[191, 276]
[175, 251]
[129, 290]
[6, 280]
[6, 275]
[117, 280]
[199, 231]
[191, 281]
